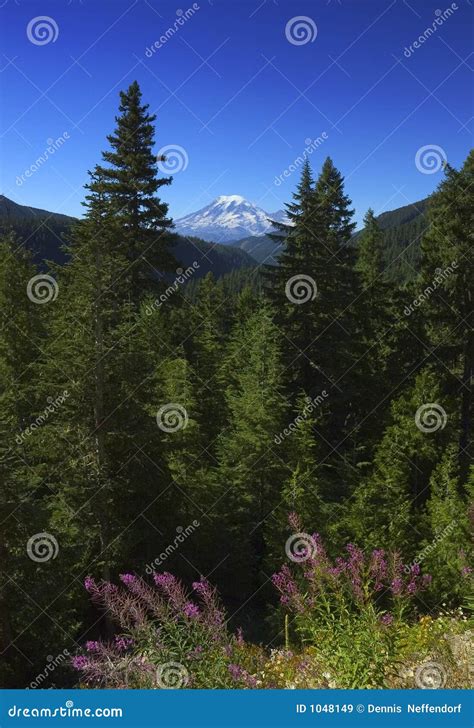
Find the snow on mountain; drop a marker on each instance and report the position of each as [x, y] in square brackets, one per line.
[226, 219]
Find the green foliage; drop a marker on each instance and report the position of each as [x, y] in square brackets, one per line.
[279, 404]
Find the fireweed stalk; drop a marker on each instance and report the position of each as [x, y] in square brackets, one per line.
[164, 631]
[350, 608]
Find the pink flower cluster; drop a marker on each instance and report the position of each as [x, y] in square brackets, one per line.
[358, 577]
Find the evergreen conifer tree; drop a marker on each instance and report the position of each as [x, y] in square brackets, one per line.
[128, 185]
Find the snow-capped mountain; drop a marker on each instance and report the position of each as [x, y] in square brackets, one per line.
[226, 219]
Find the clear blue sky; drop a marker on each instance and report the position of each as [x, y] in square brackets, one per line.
[240, 98]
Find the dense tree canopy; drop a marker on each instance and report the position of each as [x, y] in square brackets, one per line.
[321, 386]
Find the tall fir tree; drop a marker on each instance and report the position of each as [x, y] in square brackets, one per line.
[447, 283]
[295, 236]
[103, 438]
[250, 470]
[377, 336]
[128, 185]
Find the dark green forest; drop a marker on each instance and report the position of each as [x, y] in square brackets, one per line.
[154, 420]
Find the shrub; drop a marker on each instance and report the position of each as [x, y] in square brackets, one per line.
[168, 640]
[350, 609]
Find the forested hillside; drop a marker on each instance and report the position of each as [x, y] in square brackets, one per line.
[402, 230]
[156, 430]
[45, 234]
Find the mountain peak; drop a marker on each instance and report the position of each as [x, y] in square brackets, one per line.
[226, 219]
[222, 199]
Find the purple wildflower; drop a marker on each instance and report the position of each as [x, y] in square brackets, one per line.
[128, 579]
[284, 582]
[378, 568]
[89, 584]
[412, 588]
[386, 619]
[123, 643]
[213, 614]
[235, 671]
[397, 586]
[80, 662]
[172, 589]
[92, 646]
[191, 610]
[355, 566]
[164, 581]
[295, 522]
[203, 588]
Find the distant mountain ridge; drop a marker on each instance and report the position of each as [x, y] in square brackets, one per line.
[44, 232]
[12, 210]
[403, 229]
[228, 218]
